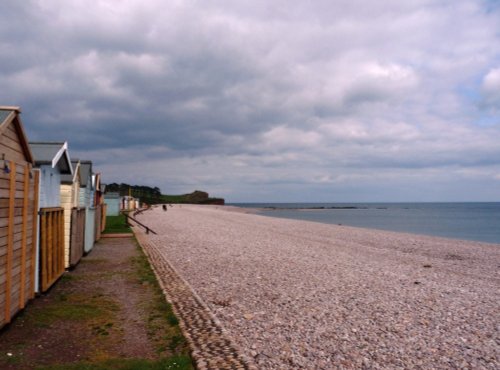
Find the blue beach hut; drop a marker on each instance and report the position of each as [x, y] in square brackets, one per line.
[112, 201]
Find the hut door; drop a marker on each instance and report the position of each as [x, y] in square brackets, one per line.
[77, 235]
[51, 245]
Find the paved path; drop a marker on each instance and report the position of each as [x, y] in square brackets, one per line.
[211, 346]
[94, 314]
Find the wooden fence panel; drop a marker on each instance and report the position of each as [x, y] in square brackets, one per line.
[51, 246]
[77, 235]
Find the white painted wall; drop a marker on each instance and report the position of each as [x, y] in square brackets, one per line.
[50, 187]
[37, 241]
[89, 229]
[86, 195]
[86, 199]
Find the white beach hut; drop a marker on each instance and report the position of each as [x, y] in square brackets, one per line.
[52, 161]
[87, 202]
[74, 216]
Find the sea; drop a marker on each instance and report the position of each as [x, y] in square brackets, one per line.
[466, 221]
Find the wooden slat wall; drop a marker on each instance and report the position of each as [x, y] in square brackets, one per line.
[67, 204]
[98, 216]
[51, 246]
[10, 243]
[77, 235]
[18, 208]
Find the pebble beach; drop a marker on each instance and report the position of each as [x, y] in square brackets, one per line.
[303, 295]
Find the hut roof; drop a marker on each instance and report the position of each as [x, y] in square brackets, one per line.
[85, 172]
[52, 153]
[69, 179]
[11, 115]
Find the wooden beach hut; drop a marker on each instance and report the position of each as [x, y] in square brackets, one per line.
[87, 202]
[100, 206]
[129, 203]
[52, 160]
[74, 216]
[18, 216]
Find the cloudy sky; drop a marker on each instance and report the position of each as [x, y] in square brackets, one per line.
[335, 100]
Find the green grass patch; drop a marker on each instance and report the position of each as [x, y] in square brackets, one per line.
[71, 307]
[162, 324]
[173, 198]
[116, 225]
[176, 362]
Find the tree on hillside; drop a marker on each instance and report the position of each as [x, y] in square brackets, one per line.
[146, 193]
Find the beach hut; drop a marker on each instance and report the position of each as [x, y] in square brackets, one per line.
[74, 216]
[100, 206]
[18, 216]
[87, 202]
[112, 201]
[52, 161]
[129, 203]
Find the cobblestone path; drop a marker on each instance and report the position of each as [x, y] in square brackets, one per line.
[211, 346]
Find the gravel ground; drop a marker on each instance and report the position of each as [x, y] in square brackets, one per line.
[297, 294]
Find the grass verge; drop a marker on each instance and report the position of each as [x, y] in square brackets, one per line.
[73, 307]
[162, 324]
[116, 225]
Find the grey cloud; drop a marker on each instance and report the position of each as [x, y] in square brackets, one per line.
[233, 95]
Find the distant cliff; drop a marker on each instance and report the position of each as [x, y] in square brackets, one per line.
[196, 197]
[146, 194]
[151, 195]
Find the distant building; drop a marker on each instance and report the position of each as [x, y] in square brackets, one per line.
[129, 203]
[112, 201]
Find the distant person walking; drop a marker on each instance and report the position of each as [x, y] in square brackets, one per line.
[164, 207]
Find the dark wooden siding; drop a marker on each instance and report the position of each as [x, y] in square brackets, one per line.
[18, 227]
[51, 246]
[77, 235]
